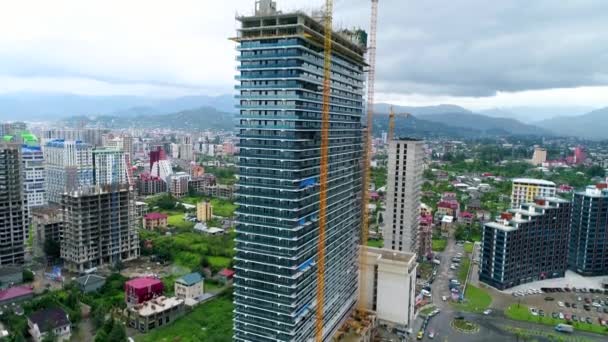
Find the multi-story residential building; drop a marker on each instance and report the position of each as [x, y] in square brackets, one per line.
[390, 288]
[150, 185]
[34, 184]
[48, 224]
[539, 156]
[190, 286]
[589, 231]
[69, 166]
[403, 188]
[527, 189]
[99, 227]
[155, 313]
[526, 244]
[153, 221]
[162, 169]
[280, 101]
[178, 184]
[109, 167]
[91, 136]
[13, 206]
[204, 211]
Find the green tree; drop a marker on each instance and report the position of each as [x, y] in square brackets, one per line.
[596, 171]
[118, 333]
[49, 337]
[101, 336]
[28, 276]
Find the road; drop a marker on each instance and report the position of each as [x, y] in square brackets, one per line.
[491, 327]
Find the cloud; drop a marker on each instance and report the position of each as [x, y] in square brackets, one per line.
[432, 49]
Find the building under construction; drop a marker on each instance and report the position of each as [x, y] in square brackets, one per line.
[280, 97]
[99, 227]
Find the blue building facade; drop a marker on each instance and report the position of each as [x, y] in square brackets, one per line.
[280, 103]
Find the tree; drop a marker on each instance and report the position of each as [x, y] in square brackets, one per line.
[49, 337]
[28, 276]
[101, 336]
[205, 262]
[596, 171]
[118, 333]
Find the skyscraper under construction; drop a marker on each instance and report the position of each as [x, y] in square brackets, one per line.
[280, 101]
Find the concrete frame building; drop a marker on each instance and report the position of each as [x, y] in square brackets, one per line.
[390, 289]
[13, 205]
[99, 227]
[588, 253]
[539, 156]
[280, 102]
[155, 313]
[48, 224]
[404, 183]
[525, 190]
[178, 184]
[526, 244]
[69, 166]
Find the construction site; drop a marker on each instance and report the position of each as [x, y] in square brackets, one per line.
[303, 187]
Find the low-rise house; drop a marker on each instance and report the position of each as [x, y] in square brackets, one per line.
[225, 276]
[139, 290]
[16, 294]
[190, 286]
[50, 320]
[155, 313]
[446, 225]
[90, 283]
[466, 217]
[154, 221]
[202, 228]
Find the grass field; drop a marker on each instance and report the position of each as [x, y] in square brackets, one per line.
[221, 207]
[177, 221]
[464, 269]
[211, 321]
[468, 247]
[375, 243]
[522, 313]
[476, 300]
[439, 245]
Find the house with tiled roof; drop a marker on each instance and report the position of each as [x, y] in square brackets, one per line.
[154, 221]
[190, 286]
[50, 320]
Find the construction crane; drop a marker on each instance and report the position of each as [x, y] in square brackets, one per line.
[323, 170]
[391, 122]
[367, 151]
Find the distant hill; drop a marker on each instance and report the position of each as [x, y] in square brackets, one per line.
[593, 125]
[420, 111]
[194, 119]
[45, 106]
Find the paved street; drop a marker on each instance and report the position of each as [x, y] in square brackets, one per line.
[494, 327]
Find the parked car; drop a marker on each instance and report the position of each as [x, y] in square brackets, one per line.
[555, 315]
[574, 306]
[560, 304]
[588, 320]
[549, 299]
[487, 312]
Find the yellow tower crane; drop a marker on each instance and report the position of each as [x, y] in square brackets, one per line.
[391, 123]
[367, 154]
[323, 166]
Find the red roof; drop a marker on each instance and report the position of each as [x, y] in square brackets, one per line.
[155, 216]
[466, 214]
[448, 204]
[139, 283]
[226, 273]
[14, 292]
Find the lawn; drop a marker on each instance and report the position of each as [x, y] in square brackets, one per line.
[177, 221]
[211, 321]
[222, 207]
[522, 313]
[375, 243]
[439, 245]
[468, 247]
[476, 300]
[463, 271]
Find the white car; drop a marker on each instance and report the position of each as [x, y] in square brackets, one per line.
[444, 298]
[487, 312]
[561, 315]
[534, 312]
[597, 305]
[560, 304]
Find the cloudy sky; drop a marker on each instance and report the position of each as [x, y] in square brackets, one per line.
[475, 53]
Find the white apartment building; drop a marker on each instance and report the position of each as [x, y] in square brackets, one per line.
[109, 166]
[404, 182]
[34, 184]
[525, 190]
[388, 285]
[69, 166]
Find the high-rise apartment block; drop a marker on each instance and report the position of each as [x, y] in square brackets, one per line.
[280, 101]
[589, 231]
[13, 216]
[204, 211]
[91, 136]
[99, 227]
[526, 244]
[109, 167]
[404, 182]
[525, 190]
[178, 184]
[539, 156]
[69, 166]
[34, 182]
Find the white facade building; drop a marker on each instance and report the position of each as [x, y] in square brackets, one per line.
[34, 184]
[389, 286]
[162, 169]
[404, 182]
[109, 166]
[69, 166]
[525, 190]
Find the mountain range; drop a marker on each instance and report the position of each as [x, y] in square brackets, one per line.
[200, 112]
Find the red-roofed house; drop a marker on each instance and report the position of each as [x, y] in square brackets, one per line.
[139, 290]
[15, 294]
[155, 221]
[449, 208]
[224, 276]
[466, 217]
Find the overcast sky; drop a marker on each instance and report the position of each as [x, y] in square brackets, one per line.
[475, 53]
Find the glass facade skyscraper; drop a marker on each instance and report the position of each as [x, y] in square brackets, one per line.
[280, 102]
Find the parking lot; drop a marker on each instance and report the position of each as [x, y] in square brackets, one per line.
[567, 304]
